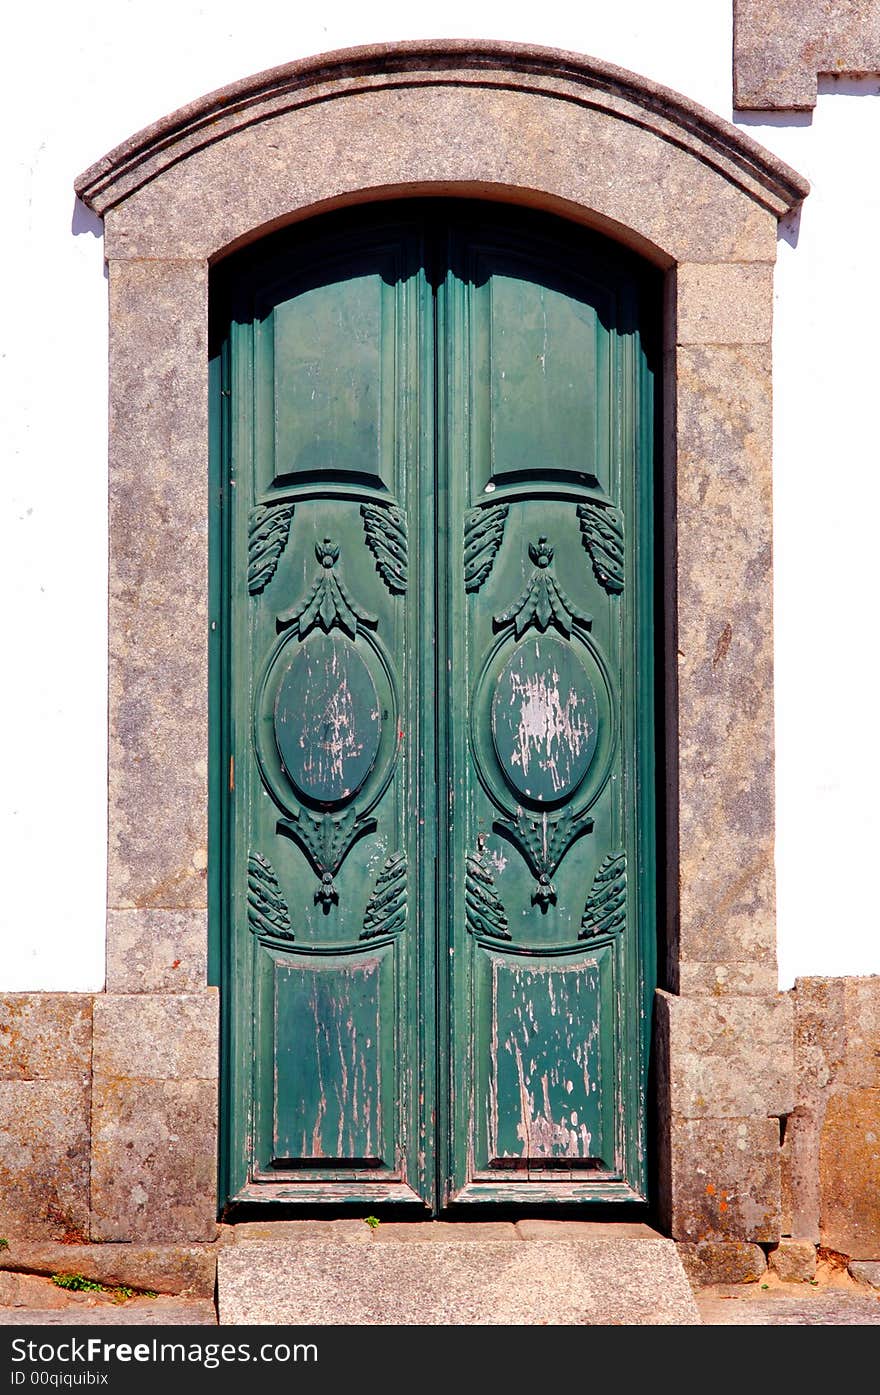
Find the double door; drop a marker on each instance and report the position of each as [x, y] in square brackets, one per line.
[433, 711]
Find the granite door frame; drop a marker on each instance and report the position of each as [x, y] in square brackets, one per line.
[534, 127]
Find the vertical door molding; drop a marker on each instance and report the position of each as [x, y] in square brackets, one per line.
[608, 150]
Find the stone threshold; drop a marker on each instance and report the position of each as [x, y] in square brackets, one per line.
[516, 1273]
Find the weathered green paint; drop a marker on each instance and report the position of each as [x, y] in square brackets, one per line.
[433, 711]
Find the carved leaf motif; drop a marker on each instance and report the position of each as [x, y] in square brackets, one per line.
[268, 531]
[483, 535]
[543, 844]
[267, 909]
[385, 529]
[328, 602]
[386, 908]
[543, 602]
[327, 841]
[485, 913]
[602, 536]
[605, 910]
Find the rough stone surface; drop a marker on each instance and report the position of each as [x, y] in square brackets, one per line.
[533, 1229]
[793, 1260]
[724, 1179]
[729, 1262]
[781, 45]
[275, 1232]
[807, 1309]
[156, 1036]
[44, 1159]
[724, 304]
[491, 1282]
[154, 1117]
[849, 1173]
[727, 980]
[727, 1057]
[154, 1160]
[29, 1291]
[829, 1162]
[866, 1271]
[189, 1270]
[819, 1034]
[861, 1006]
[45, 1036]
[156, 951]
[725, 647]
[143, 1312]
[157, 854]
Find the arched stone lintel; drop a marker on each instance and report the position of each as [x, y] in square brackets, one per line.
[482, 115]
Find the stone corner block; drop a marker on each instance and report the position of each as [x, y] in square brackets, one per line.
[722, 1262]
[45, 1036]
[157, 951]
[152, 1036]
[727, 1057]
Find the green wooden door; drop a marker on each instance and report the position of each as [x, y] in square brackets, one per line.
[433, 889]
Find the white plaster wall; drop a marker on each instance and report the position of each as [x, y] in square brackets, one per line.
[77, 80]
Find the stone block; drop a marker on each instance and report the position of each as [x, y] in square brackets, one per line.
[724, 304]
[45, 1036]
[865, 1271]
[493, 1283]
[154, 1160]
[188, 1270]
[157, 852]
[794, 1261]
[725, 655]
[44, 1159]
[800, 1174]
[724, 1180]
[861, 1007]
[780, 47]
[727, 1057]
[156, 1036]
[819, 1035]
[728, 980]
[849, 1173]
[152, 951]
[723, 1262]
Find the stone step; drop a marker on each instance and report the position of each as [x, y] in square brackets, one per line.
[608, 1280]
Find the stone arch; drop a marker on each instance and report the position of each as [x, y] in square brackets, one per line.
[688, 191]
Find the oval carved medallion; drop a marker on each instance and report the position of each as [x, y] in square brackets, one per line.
[544, 720]
[327, 720]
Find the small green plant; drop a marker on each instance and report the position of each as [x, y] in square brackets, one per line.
[4, 1244]
[765, 1285]
[77, 1283]
[372, 1222]
[122, 1292]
